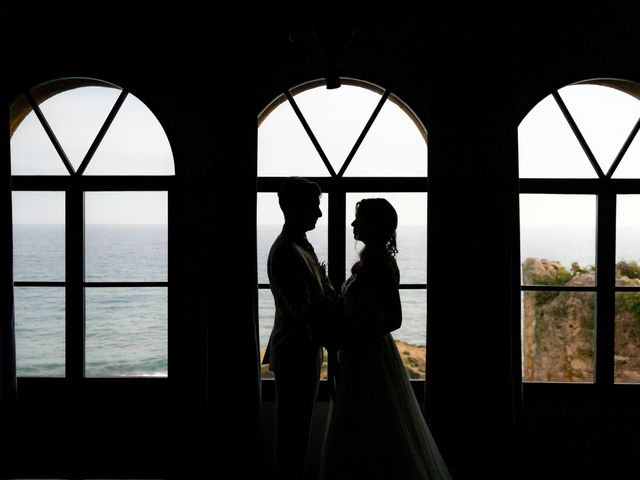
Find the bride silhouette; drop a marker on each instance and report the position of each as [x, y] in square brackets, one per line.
[375, 427]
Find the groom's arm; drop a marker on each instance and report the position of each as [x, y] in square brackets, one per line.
[289, 280]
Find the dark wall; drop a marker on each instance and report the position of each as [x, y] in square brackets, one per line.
[206, 415]
[470, 75]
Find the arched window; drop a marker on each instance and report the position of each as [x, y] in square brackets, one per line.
[356, 141]
[579, 160]
[91, 175]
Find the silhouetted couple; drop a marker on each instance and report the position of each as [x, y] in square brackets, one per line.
[375, 427]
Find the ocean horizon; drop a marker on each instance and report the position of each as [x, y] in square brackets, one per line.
[126, 328]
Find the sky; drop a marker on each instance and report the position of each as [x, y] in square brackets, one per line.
[134, 144]
[395, 146]
[547, 148]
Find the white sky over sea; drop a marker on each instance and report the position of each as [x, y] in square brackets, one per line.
[395, 146]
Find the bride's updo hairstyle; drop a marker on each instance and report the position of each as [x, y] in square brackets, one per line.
[380, 220]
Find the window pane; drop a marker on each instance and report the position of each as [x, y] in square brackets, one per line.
[38, 236]
[269, 226]
[32, 153]
[126, 236]
[629, 167]
[126, 332]
[76, 116]
[411, 337]
[557, 239]
[548, 148]
[627, 329]
[40, 331]
[411, 235]
[627, 239]
[605, 117]
[394, 146]
[558, 336]
[135, 144]
[337, 117]
[627, 342]
[284, 148]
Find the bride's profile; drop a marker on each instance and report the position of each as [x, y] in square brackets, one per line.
[375, 427]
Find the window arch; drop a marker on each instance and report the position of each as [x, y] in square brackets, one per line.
[356, 141]
[92, 171]
[579, 161]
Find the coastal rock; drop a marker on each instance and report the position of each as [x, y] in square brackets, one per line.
[558, 327]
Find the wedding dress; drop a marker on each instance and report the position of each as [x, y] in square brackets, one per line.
[375, 427]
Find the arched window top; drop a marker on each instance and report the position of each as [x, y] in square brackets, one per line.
[86, 127]
[357, 130]
[584, 130]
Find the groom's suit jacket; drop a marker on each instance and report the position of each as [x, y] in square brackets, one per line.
[295, 278]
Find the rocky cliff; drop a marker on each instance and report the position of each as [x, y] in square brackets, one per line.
[558, 327]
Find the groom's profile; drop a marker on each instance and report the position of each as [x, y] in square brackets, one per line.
[292, 353]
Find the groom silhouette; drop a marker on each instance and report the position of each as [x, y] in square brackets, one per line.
[298, 284]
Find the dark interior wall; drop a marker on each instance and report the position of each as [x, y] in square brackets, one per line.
[470, 76]
[205, 416]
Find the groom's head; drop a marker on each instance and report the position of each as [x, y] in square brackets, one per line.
[299, 201]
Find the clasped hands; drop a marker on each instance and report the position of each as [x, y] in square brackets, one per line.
[326, 317]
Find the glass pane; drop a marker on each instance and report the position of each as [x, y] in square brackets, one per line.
[605, 117]
[38, 236]
[135, 144]
[394, 146]
[627, 240]
[126, 236]
[629, 167]
[40, 331]
[411, 235]
[126, 332]
[337, 117]
[548, 148]
[411, 337]
[270, 221]
[558, 336]
[76, 116]
[284, 148]
[558, 239]
[627, 342]
[32, 153]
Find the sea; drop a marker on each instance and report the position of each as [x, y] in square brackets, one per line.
[126, 328]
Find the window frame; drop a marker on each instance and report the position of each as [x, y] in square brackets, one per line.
[75, 185]
[605, 189]
[338, 186]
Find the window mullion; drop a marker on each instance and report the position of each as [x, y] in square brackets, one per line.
[74, 260]
[605, 281]
[337, 220]
[336, 250]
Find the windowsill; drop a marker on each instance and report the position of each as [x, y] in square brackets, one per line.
[35, 389]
